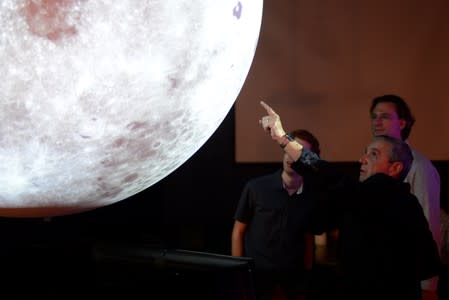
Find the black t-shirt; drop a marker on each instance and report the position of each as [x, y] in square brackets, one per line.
[277, 223]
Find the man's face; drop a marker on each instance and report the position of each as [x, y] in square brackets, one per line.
[385, 120]
[375, 160]
[288, 160]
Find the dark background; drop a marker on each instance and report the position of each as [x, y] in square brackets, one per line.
[190, 209]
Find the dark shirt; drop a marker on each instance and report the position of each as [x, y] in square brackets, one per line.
[277, 223]
[386, 246]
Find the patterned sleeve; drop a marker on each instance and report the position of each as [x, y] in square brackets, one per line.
[308, 162]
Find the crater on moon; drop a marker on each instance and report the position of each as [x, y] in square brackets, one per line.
[102, 99]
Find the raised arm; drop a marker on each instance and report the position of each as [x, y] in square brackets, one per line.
[272, 124]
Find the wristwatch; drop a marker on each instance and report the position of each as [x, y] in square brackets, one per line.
[286, 139]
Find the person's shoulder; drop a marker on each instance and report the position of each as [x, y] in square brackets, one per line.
[388, 191]
[422, 162]
[383, 183]
[402, 196]
[420, 158]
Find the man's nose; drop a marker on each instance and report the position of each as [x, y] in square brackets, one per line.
[362, 159]
[377, 120]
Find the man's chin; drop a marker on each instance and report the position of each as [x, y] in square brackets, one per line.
[377, 133]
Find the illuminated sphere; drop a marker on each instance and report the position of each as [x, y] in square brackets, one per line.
[102, 99]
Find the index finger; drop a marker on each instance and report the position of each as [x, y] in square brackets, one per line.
[269, 110]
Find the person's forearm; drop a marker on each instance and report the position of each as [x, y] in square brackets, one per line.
[292, 148]
[237, 247]
[237, 238]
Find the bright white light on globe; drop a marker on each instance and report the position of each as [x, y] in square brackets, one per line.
[102, 99]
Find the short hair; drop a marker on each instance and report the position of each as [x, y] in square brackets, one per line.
[308, 137]
[399, 152]
[402, 109]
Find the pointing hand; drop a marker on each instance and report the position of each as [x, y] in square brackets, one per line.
[272, 123]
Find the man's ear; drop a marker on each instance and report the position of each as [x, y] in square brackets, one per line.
[396, 169]
[402, 123]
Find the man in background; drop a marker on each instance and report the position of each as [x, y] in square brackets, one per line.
[390, 115]
[272, 225]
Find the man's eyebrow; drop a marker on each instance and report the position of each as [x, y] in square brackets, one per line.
[381, 113]
[372, 149]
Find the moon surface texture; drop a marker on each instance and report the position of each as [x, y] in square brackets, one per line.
[100, 100]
